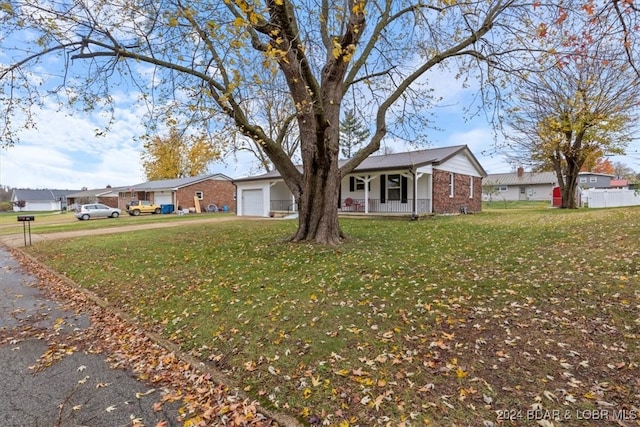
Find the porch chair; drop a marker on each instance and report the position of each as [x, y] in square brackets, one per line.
[348, 203]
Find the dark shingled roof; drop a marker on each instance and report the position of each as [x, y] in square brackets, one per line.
[407, 159]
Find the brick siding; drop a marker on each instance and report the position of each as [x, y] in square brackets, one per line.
[112, 202]
[443, 204]
[214, 192]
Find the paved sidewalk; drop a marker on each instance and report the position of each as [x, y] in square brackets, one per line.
[80, 389]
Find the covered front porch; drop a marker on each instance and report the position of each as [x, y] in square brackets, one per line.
[362, 206]
[404, 193]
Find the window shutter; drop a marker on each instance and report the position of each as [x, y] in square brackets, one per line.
[403, 189]
[383, 188]
[352, 183]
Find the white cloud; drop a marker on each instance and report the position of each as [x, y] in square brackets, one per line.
[64, 153]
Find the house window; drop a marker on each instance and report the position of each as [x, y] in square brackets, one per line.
[356, 184]
[583, 179]
[393, 187]
[593, 179]
[523, 190]
[501, 188]
[199, 195]
[451, 180]
[471, 187]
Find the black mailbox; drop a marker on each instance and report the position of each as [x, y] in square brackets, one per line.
[26, 218]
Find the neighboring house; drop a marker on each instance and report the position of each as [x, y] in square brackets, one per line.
[622, 184]
[441, 180]
[40, 200]
[520, 185]
[214, 191]
[594, 180]
[107, 196]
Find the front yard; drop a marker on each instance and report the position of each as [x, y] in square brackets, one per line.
[509, 317]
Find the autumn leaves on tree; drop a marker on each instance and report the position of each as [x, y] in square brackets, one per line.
[178, 155]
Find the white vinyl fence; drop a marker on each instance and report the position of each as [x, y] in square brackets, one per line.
[609, 198]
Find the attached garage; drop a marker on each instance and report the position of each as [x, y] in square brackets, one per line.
[163, 198]
[252, 202]
[253, 196]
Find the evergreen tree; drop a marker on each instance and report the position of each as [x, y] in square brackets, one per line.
[352, 134]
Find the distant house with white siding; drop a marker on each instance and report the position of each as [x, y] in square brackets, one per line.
[440, 180]
[40, 200]
[520, 185]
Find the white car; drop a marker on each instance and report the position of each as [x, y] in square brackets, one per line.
[96, 210]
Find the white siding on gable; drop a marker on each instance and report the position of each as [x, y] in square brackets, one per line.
[459, 164]
[426, 169]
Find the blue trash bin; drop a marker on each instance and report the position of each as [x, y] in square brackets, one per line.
[166, 209]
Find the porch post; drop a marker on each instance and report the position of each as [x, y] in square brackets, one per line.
[366, 181]
[416, 176]
[366, 194]
[415, 194]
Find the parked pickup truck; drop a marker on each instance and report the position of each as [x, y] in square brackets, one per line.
[136, 207]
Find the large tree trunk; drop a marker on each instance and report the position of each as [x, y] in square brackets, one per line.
[569, 193]
[318, 206]
[571, 182]
[320, 188]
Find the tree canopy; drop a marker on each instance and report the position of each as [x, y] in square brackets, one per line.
[177, 155]
[581, 108]
[211, 64]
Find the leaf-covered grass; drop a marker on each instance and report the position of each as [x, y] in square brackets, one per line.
[55, 222]
[462, 320]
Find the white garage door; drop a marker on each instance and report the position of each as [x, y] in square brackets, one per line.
[162, 198]
[252, 203]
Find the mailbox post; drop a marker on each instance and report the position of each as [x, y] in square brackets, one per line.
[26, 224]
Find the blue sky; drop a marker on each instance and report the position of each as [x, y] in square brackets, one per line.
[64, 152]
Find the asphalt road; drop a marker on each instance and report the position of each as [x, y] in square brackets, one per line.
[78, 390]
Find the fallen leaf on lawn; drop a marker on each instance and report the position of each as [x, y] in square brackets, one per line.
[461, 373]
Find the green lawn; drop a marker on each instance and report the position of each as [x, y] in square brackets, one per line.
[53, 222]
[449, 321]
